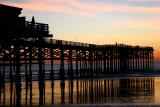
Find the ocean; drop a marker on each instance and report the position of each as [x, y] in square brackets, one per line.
[112, 91]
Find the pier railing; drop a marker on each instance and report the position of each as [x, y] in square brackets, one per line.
[37, 28]
[64, 58]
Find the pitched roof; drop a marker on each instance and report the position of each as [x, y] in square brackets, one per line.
[5, 9]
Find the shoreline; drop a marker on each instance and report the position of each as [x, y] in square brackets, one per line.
[114, 75]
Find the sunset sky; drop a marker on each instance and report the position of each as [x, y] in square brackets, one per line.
[133, 22]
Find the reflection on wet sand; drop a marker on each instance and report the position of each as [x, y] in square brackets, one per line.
[131, 90]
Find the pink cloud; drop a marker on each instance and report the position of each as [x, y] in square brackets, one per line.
[41, 6]
[79, 7]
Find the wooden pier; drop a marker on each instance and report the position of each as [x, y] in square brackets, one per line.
[27, 43]
[27, 51]
[80, 59]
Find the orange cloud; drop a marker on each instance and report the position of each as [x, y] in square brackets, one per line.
[150, 24]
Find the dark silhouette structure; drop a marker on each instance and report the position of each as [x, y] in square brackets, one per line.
[15, 27]
[27, 43]
[24, 45]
